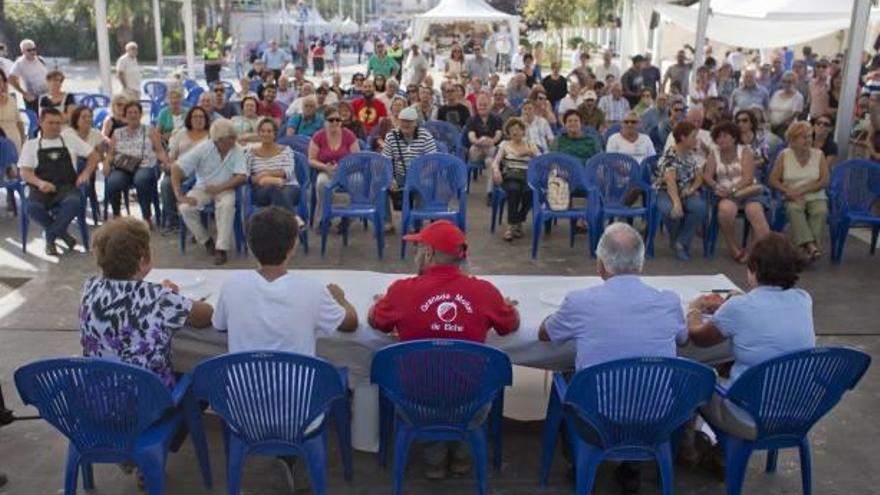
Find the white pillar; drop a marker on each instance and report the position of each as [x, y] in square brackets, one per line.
[702, 24]
[189, 39]
[626, 45]
[157, 30]
[103, 46]
[858, 30]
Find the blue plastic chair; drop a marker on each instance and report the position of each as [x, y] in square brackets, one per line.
[193, 95]
[300, 144]
[33, 122]
[82, 217]
[208, 211]
[854, 190]
[113, 413]
[442, 390]
[101, 100]
[301, 169]
[365, 177]
[191, 84]
[229, 89]
[784, 397]
[433, 181]
[94, 205]
[572, 171]
[499, 199]
[445, 133]
[624, 410]
[100, 115]
[8, 158]
[156, 91]
[276, 404]
[463, 147]
[610, 131]
[613, 176]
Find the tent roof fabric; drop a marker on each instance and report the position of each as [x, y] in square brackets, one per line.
[464, 10]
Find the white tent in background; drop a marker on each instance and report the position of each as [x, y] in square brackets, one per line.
[349, 26]
[336, 22]
[452, 11]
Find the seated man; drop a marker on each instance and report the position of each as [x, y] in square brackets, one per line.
[256, 307]
[269, 106]
[219, 165]
[442, 302]
[48, 166]
[484, 132]
[622, 318]
[368, 109]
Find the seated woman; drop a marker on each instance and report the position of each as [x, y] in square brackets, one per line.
[801, 175]
[510, 170]
[823, 138]
[194, 131]
[116, 118]
[309, 121]
[348, 120]
[730, 173]
[327, 147]
[271, 169]
[123, 317]
[752, 321]
[678, 184]
[134, 150]
[754, 137]
[172, 116]
[630, 141]
[573, 141]
[538, 131]
[387, 124]
[246, 123]
[543, 107]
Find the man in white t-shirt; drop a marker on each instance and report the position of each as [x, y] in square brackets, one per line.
[129, 72]
[48, 166]
[271, 309]
[28, 75]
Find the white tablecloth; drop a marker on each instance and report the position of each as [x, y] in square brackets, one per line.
[538, 296]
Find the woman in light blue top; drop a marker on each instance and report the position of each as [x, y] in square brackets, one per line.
[773, 318]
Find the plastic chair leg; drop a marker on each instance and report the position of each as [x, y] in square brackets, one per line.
[342, 418]
[380, 237]
[151, 463]
[875, 233]
[552, 426]
[664, 463]
[587, 461]
[806, 465]
[193, 418]
[88, 476]
[316, 457]
[736, 458]
[404, 229]
[495, 419]
[402, 441]
[477, 441]
[772, 457]
[71, 470]
[536, 235]
[325, 226]
[386, 424]
[235, 455]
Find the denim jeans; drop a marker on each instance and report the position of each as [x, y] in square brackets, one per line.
[55, 220]
[284, 197]
[682, 230]
[119, 181]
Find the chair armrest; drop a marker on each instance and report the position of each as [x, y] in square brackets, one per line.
[721, 390]
[560, 385]
[181, 389]
[343, 375]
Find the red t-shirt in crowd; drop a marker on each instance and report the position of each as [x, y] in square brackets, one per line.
[326, 154]
[368, 113]
[443, 303]
[273, 110]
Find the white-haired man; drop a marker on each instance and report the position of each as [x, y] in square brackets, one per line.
[219, 166]
[28, 75]
[129, 72]
[621, 318]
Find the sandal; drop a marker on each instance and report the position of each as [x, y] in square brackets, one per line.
[508, 235]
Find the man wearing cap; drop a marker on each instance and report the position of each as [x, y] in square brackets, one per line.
[407, 142]
[28, 75]
[129, 72]
[442, 302]
[590, 113]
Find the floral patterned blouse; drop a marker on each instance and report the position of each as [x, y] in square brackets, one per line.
[131, 321]
[684, 166]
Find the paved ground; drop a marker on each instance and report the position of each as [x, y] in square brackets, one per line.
[38, 319]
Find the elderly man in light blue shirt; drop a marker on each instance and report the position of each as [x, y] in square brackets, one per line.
[219, 166]
[750, 94]
[623, 317]
[275, 58]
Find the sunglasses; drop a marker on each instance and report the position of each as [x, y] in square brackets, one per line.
[358, 79]
[631, 122]
[334, 120]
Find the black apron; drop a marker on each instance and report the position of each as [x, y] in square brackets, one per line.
[54, 165]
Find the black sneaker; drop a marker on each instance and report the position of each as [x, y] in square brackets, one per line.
[209, 247]
[69, 240]
[220, 257]
[51, 250]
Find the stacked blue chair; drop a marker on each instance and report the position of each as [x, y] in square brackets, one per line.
[779, 401]
[432, 182]
[193, 95]
[624, 410]
[854, 191]
[156, 91]
[208, 211]
[613, 177]
[276, 404]
[100, 115]
[113, 413]
[33, 122]
[8, 158]
[82, 217]
[190, 84]
[569, 169]
[365, 177]
[442, 390]
[445, 133]
[301, 168]
[610, 131]
[101, 101]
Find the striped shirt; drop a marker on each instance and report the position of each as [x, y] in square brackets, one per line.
[402, 151]
[614, 110]
[282, 161]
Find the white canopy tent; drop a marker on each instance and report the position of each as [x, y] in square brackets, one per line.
[452, 11]
[349, 26]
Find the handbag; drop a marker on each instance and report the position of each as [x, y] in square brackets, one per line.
[558, 194]
[749, 191]
[129, 163]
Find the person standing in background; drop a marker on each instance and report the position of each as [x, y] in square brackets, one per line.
[128, 71]
[213, 61]
[28, 75]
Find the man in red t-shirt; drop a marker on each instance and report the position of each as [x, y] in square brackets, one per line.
[268, 107]
[367, 109]
[442, 302]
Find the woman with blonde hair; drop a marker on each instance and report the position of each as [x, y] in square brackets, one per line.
[116, 119]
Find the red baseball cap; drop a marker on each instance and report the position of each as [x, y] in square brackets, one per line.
[444, 236]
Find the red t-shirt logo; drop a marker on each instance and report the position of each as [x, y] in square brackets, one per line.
[447, 312]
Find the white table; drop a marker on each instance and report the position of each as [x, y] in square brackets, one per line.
[538, 296]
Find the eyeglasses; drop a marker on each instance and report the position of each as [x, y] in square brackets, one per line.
[334, 120]
[220, 91]
[634, 122]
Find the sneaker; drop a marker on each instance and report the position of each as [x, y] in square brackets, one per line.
[209, 247]
[629, 477]
[51, 250]
[168, 230]
[69, 240]
[220, 257]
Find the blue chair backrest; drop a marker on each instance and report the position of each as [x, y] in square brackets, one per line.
[441, 382]
[99, 405]
[649, 168]
[192, 97]
[445, 133]
[156, 90]
[786, 395]
[100, 100]
[614, 175]
[33, 122]
[438, 178]
[8, 156]
[637, 401]
[591, 131]
[268, 396]
[610, 131]
[567, 167]
[190, 84]
[363, 176]
[855, 186]
[301, 169]
[301, 144]
[99, 117]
